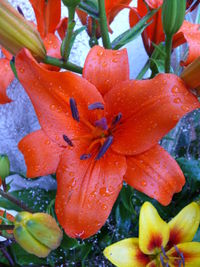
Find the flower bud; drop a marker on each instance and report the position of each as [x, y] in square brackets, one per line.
[173, 13]
[71, 3]
[4, 166]
[17, 33]
[37, 233]
[191, 74]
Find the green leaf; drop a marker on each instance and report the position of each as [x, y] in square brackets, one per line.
[132, 33]
[190, 168]
[69, 243]
[35, 198]
[90, 7]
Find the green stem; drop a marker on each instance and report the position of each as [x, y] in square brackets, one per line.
[143, 71]
[168, 47]
[61, 64]
[104, 25]
[69, 33]
[15, 201]
[91, 11]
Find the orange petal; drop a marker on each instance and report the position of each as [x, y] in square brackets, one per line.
[150, 109]
[52, 45]
[153, 231]
[6, 77]
[126, 253]
[7, 54]
[87, 190]
[104, 68]
[184, 225]
[189, 33]
[153, 3]
[155, 173]
[9, 217]
[62, 27]
[47, 15]
[40, 153]
[191, 254]
[114, 7]
[50, 91]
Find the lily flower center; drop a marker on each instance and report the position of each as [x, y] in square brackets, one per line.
[165, 260]
[101, 133]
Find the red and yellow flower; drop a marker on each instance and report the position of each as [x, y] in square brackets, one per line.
[99, 129]
[160, 243]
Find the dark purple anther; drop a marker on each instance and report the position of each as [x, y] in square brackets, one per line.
[116, 119]
[20, 10]
[85, 156]
[96, 105]
[180, 254]
[164, 253]
[74, 109]
[104, 147]
[67, 140]
[102, 123]
[162, 260]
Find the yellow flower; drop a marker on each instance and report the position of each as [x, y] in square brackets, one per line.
[160, 243]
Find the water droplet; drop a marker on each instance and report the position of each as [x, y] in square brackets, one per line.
[144, 183]
[115, 60]
[177, 100]
[104, 64]
[21, 70]
[104, 207]
[175, 89]
[47, 142]
[52, 107]
[185, 108]
[100, 53]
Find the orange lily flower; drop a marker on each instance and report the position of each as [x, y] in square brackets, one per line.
[160, 243]
[112, 9]
[6, 76]
[97, 130]
[189, 32]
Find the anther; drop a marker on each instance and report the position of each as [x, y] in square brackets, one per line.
[180, 254]
[162, 261]
[102, 123]
[20, 10]
[116, 119]
[67, 140]
[164, 253]
[104, 147]
[96, 105]
[74, 109]
[85, 156]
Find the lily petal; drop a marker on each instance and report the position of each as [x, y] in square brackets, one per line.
[6, 77]
[191, 254]
[50, 92]
[47, 15]
[62, 27]
[153, 3]
[189, 33]
[155, 173]
[85, 195]
[126, 253]
[153, 231]
[184, 226]
[103, 68]
[41, 154]
[156, 106]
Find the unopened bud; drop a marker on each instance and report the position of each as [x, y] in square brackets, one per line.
[17, 33]
[37, 233]
[4, 166]
[173, 13]
[191, 74]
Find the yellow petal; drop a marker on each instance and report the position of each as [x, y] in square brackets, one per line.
[184, 226]
[153, 231]
[191, 254]
[126, 253]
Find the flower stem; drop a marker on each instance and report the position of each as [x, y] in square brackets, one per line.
[104, 25]
[168, 47]
[66, 46]
[7, 256]
[14, 200]
[143, 71]
[6, 227]
[61, 64]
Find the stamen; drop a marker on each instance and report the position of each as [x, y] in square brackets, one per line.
[20, 10]
[116, 119]
[104, 147]
[74, 109]
[102, 123]
[162, 261]
[85, 156]
[96, 105]
[180, 254]
[67, 140]
[164, 253]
